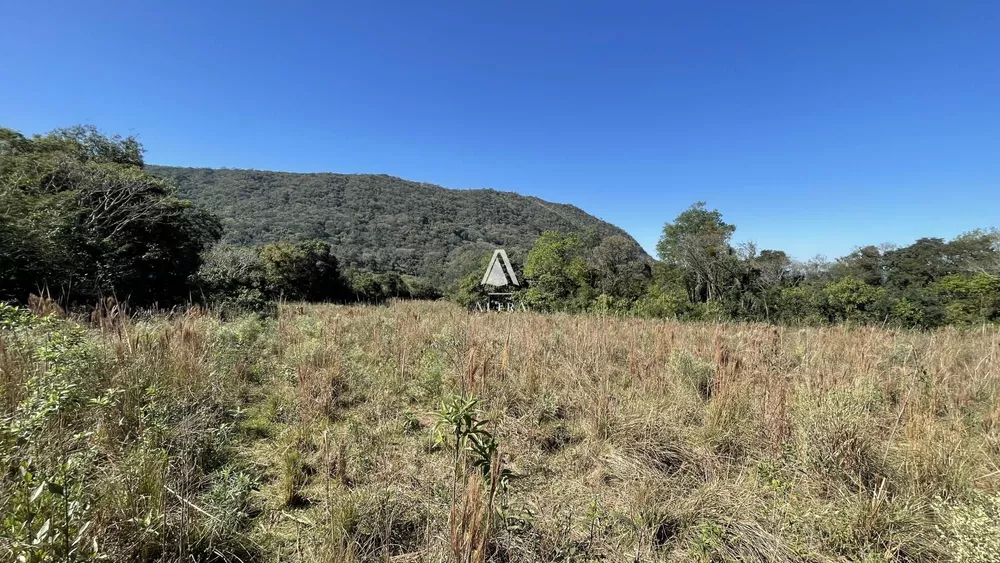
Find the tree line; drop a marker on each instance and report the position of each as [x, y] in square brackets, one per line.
[702, 275]
[83, 220]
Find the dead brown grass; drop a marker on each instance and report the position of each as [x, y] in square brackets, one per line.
[623, 429]
[633, 439]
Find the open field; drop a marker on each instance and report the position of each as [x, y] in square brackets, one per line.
[328, 433]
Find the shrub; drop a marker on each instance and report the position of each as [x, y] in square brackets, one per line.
[851, 299]
[664, 303]
[301, 271]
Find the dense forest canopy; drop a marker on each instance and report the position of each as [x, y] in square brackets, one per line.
[378, 222]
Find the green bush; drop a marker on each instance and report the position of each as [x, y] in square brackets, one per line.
[970, 299]
[372, 287]
[47, 503]
[851, 299]
[301, 271]
[664, 303]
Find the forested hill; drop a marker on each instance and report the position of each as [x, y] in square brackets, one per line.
[378, 222]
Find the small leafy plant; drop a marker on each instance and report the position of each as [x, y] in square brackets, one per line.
[460, 423]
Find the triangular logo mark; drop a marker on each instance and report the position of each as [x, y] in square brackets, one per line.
[495, 275]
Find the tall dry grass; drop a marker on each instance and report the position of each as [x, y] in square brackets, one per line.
[631, 439]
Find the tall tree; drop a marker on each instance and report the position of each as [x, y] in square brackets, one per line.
[757, 280]
[79, 216]
[866, 263]
[925, 261]
[620, 270]
[978, 251]
[557, 271]
[774, 267]
[698, 241]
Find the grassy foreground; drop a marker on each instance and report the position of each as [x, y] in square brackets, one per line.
[329, 434]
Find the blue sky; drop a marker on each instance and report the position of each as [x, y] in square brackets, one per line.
[813, 128]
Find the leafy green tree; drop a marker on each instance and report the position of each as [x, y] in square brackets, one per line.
[420, 288]
[970, 299]
[373, 287]
[38, 244]
[759, 280]
[919, 264]
[304, 270]
[365, 286]
[800, 304]
[908, 313]
[79, 216]
[665, 302]
[851, 299]
[930, 259]
[227, 268]
[773, 268]
[557, 272]
[620, 270]
[698, 241]
[666, 295]
[233, 277]
[867, 264]
[469, 290]
[978, 251]
[391, 285]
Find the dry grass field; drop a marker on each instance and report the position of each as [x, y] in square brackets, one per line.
[329, 434]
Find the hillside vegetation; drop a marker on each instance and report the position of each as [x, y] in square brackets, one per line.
[419, 432]
[378, 222]
[83, 219]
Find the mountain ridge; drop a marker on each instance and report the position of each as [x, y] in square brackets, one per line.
[378, 221]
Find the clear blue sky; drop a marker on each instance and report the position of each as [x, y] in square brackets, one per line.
[812, 128]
